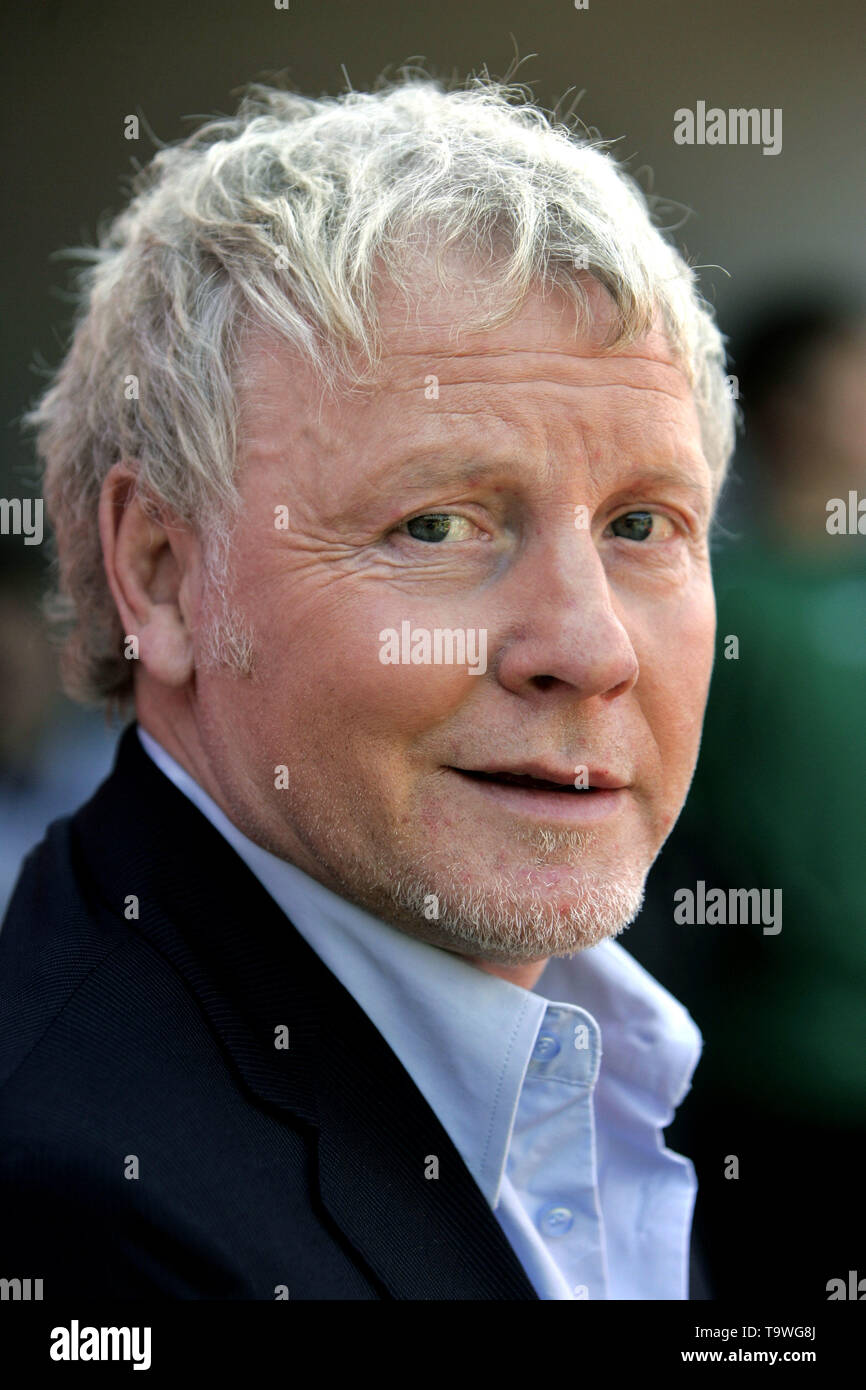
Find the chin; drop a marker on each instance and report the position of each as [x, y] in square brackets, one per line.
[510, 924]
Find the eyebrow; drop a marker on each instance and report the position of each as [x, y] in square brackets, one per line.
[678, 477]
[444, 465]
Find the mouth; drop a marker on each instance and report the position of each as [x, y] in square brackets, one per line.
[538, 777]
[548, 792]
[523, 779]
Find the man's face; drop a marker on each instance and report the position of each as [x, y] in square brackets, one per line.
[519, 484]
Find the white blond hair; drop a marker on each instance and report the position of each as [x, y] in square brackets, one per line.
[278, 218]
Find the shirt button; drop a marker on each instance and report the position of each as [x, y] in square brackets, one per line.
[546, 1046]
[555, 1220]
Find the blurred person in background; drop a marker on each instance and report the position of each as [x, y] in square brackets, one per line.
[777, 802]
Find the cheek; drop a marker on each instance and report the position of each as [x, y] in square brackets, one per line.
[327, 673]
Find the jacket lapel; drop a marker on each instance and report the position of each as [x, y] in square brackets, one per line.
[200, 906]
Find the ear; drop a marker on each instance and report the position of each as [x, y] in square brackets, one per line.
[153, 567]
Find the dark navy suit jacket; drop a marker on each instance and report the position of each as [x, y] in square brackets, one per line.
[154, 1142]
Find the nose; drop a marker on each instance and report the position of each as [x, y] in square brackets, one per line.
[561, 628]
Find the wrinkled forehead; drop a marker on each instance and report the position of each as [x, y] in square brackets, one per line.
[443, 318]
[433, 331]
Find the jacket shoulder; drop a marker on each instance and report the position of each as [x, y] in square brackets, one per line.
[127, 1139]
[51, 940]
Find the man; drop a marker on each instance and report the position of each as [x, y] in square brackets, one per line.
[381, 467]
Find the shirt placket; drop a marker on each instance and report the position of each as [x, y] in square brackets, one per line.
[553, 1162]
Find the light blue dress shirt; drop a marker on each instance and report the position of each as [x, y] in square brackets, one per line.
[555, 1100]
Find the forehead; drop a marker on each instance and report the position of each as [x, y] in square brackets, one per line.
[541, 376]
[434, 324]
[438, 316]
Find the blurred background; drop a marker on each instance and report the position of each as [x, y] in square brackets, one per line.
[778, 796]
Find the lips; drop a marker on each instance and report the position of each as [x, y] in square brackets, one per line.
[532, 777]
